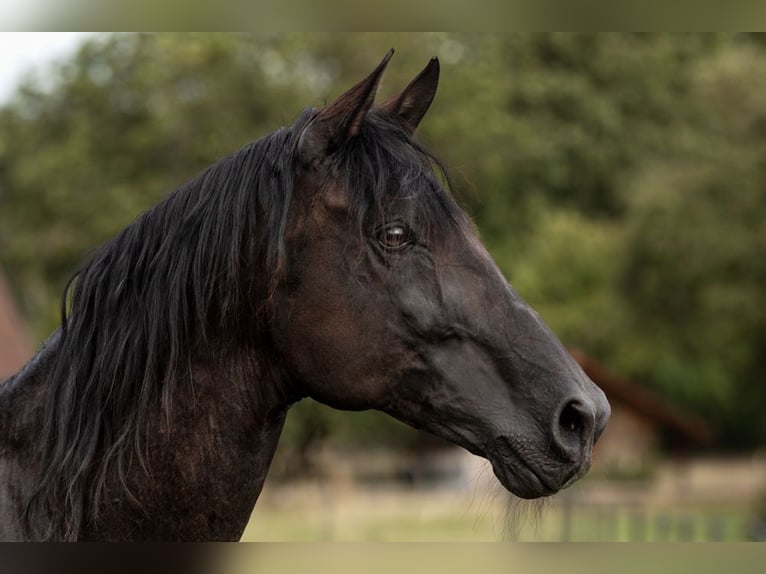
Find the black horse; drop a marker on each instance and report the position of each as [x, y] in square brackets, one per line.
[325, 260]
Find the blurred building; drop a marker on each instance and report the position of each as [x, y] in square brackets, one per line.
[15, 349]
[643, 424]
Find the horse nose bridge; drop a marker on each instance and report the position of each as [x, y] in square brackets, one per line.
[527, 350]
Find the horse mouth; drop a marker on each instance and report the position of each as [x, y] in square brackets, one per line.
[520, 479]
[524, 479]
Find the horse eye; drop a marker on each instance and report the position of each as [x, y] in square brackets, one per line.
[394, 237]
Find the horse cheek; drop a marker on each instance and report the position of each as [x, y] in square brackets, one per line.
[324, 331]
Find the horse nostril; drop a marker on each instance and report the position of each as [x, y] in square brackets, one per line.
[570, 419]
[573, 429]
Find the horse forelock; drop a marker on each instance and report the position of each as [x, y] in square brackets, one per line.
[384, 168]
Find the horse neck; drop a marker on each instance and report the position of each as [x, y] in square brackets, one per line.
[213, 448]
[22, 399]
[208, 452]
[22, 409]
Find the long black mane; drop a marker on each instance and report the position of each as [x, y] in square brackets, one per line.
[177, 277]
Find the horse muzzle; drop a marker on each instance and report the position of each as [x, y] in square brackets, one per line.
[530, 471]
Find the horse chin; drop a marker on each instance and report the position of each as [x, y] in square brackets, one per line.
[521, 480]
[526, 473]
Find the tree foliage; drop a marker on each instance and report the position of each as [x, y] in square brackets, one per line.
[619, 180]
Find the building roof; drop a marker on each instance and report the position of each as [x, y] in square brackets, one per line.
[686, 429]
[15, 349]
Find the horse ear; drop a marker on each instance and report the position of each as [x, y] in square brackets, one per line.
[412, 104]
[341, 120]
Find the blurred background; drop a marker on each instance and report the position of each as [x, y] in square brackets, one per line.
[619, 181]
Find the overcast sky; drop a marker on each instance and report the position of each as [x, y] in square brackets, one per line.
[22, 52]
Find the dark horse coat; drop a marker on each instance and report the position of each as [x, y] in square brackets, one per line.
[325, 260]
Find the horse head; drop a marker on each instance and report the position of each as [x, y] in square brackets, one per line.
[388, 300]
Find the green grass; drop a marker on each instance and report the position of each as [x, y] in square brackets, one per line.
[405, 516]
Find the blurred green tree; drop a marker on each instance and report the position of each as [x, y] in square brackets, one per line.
[618, 179]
